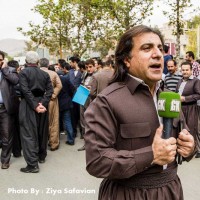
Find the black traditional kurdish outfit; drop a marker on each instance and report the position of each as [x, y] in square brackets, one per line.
[36, 88]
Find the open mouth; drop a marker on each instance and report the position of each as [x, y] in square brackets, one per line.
[155, 66]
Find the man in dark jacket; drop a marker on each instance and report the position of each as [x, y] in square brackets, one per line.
[36, 89]
[75, 77]
[16, 150]
[8, 107]
[189, 89]
[65, 105]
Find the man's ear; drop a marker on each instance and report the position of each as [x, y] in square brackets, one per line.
[127, 62]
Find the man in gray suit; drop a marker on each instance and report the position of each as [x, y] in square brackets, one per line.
[8, 107]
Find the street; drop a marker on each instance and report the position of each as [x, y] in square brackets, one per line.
[63, 176]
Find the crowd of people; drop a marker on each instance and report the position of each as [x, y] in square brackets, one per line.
[119, 122]
[42, 94]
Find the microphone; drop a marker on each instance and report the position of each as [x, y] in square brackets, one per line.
[169, 106]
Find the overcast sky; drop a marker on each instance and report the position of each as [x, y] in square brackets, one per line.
[17, 13]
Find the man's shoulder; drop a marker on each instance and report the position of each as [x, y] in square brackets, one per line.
[168, 75]
[52, 73]
[103, 74]
[71, 71]
[46, 73]
[96, 75]
[65, 77]
[112, 88]
[176, 74]
[195, 63]
[195, 79]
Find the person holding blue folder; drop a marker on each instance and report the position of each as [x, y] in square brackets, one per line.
[90, 70]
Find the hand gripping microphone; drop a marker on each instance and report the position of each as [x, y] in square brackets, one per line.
[169, 106]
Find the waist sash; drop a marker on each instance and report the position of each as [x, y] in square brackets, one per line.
[149, 181]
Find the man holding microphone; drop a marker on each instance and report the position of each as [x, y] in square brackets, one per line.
[124, 143]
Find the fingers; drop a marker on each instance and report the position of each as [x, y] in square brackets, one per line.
[184, 135]
[171, 149]
[185, 143]
[40, 108]
[183, 152]
[185, 132]
[159, 131]
[171, 141]
[164, 150]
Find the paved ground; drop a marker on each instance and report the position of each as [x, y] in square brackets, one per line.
[63, 177]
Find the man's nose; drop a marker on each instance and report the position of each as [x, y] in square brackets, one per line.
[157, 52]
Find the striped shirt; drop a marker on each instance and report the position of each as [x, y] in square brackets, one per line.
[171, 80]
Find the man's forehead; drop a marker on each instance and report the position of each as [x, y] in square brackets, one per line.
[147, 38]
[185, 66]
[90, 65]
[170, 63]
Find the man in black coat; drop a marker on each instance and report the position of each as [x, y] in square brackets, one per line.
[8, 107]
[36, 89]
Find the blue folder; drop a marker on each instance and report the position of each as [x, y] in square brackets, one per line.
[81, 95]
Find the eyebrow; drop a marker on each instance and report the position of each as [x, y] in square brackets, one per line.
[151, 44]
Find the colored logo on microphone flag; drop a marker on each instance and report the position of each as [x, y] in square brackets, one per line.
[169, 104]
[81, 95]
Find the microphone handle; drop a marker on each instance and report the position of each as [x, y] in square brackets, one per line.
[167, 127]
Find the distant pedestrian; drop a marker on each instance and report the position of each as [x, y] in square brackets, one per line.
[101, 79]
[195, 65]
[173, 76]
[167, 57]
[75, 76]
[90, 71]
[189, 89]
[65, 104]
[53, 107]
